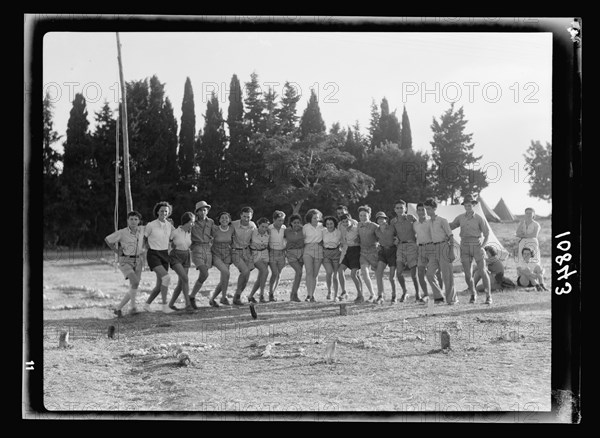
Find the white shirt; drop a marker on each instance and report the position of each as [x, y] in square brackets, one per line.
[333, 239]
[158, 234]
[276, 238]
[181, 239]
[423, 231]
[312, 234]
[259, 241]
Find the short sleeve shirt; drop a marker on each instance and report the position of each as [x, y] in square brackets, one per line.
[259, 241]
[471, 227]
[366, 234]
[277, 237]
[158, 234]
[181, 239]
[312, 234]
[242, 235]
[423, 231]
[132, 243]
[385, 234]
[404, 227]
[221, 236]
[294, 239]
[350, 234]
[331, 239]
[202, 231]
[440, 229]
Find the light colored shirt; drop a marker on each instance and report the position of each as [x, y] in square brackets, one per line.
[276, 237]
[333, 239]
[440, 229]
[471, 226]
[158, 234]
[404, 228]
[132, 243]
[294, 239]
[423, 231]
[242, 234]
[181, 239]
[312, 234]
[259, 241]
[202, 231]
[366, 234]
[350, 234]
[385, 234]
[531, 230]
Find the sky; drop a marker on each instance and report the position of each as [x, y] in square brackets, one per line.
[502, 80]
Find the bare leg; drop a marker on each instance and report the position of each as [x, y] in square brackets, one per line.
[297, 267]
[367, 279]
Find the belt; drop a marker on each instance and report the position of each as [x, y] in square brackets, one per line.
[201, 243]
[130, 256]
[423, 244]
[273, 249]
[437, 243]
[258, 250]
[239, 249]
[335, 247]
[406, 241]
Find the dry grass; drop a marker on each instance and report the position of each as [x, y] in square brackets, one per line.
[387, 359]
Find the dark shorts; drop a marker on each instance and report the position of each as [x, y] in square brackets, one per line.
[179, 257]
[352, 258]
[524, 281]
[157, 258]
[387, 255]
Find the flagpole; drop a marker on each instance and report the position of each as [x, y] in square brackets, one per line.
[128, 199]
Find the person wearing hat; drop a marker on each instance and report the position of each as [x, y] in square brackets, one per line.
[202, 237]
[407, 252]
[472, 228]
[387, 255]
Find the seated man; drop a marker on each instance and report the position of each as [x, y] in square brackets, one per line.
[530, 273]
[495, 270]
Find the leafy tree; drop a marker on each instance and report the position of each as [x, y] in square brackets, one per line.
[315, 170]
[539, 167]
[388, 128]
[270, 122]
[51, 160]
[311, 121]
[375, 136]
[453, 160]
[255, 105]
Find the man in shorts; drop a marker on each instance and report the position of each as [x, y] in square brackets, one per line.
[472, 227]
[406, 254]
[276, 251]
[387, 255]
[202, 236]
[242, 256]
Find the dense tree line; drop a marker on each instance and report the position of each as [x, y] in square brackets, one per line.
[261, 152]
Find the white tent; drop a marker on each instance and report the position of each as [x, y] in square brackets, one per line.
[450, 212]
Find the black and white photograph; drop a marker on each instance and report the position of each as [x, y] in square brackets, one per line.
[294, 218]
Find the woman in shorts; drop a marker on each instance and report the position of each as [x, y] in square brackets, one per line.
[128, 243]
[313, 250]
[221, 256]
[294, 250]
[259, 245]
[331, 254]
[179, 258]
[350, 256]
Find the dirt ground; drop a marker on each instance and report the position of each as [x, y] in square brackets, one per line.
[387, 357]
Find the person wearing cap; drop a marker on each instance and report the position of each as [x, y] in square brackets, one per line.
[202, 237]
[128, 243]
[331, 254]
[294, 249]
[156, 239]
[528, 232]
[422, 227]
[439, 254]
[387, 255]
[369, 251]
[406, 253]
[350, 256]
[472, 227]
[221, 256]
[276, 251]
[242, 256]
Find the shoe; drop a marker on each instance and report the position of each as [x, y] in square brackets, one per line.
[403, 297]
[272, 299]
[213, 303]
[328, 296]
[133, 310]
[307, 299]
[237, 301]
[224, 301]
[538, 288]
[146, 307]
[394, 300]
[335, 298]
[371, 297]
[489, 300]
[473, 299]
[118, 313]
[379, 300]
[453, 303]
[251, 299]
[343, 296]
[424, 300]
[167, 309]
[439, 301]
[193, 303]
[262, 299]
[173, 307]
[544, 287]
[360, 299]
[188, 309]
[295, 299]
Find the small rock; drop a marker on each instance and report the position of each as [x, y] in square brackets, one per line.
[63, 339]
[445, 339]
